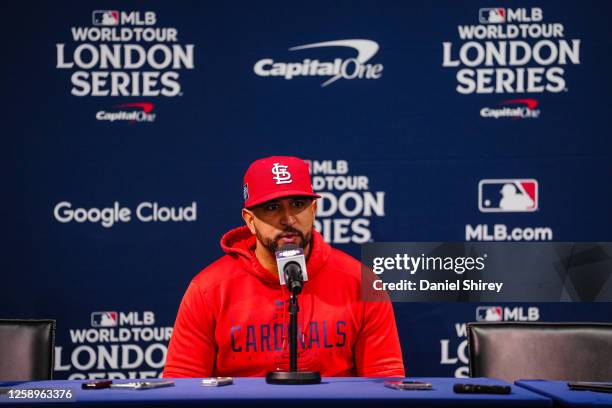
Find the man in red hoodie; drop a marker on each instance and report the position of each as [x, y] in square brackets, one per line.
[233, 319]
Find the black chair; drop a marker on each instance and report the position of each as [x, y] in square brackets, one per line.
[553, 351]
[26, 349]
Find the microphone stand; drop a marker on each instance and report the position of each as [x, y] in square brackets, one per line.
[293, 376]
[293, 311]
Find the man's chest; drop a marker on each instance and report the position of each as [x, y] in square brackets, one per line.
[259, 323]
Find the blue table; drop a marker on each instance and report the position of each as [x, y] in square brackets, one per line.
[562, 396]
[249, 392]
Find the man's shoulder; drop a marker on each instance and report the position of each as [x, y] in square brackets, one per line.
[341, 262]
[222, 270]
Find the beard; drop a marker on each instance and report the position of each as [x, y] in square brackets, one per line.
[272, 244]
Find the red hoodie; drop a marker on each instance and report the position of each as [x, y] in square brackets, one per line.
[233, 319]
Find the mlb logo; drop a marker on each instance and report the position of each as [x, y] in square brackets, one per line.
[104, 319]
[489, 313]
[493, 15]
[245, 191]
[105, 18]
[508, 195]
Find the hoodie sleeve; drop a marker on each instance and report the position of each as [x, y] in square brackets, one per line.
[377, 349]
[192, 348]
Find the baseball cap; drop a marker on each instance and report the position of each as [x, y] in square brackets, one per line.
[275, 177]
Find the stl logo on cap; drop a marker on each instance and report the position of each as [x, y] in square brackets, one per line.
[276, 177]
[281, 175]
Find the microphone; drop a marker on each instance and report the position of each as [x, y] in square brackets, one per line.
[291, 265]
[293, 276]
[292, 272]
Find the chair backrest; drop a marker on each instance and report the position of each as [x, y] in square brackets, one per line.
[553, 351]
[26, 349]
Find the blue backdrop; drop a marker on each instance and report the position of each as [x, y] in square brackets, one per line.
[126, 104]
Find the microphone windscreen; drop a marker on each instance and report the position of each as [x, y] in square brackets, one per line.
[290, 253]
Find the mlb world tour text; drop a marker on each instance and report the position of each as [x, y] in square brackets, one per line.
[132, 346]
[404, 263]
[130, 57]
[517, 55]
[134, 58]
[347, 204]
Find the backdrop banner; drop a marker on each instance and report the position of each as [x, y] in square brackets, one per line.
[128, 127]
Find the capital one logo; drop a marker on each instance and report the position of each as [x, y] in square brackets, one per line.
[523, 108]
[508, 195]
[348, 68]
[130, 112]
[281, 175]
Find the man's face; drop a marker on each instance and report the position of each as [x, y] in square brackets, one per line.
[287, 220]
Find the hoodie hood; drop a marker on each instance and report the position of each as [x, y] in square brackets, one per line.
[240, 243]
